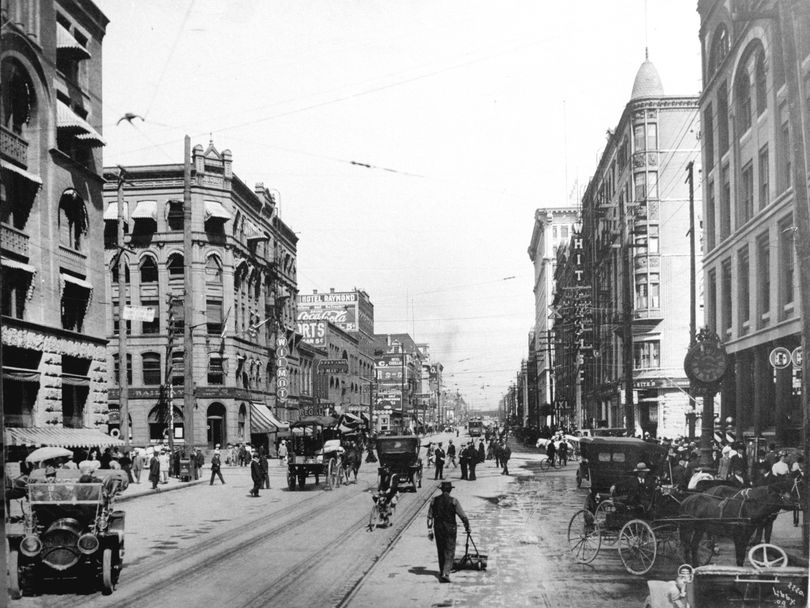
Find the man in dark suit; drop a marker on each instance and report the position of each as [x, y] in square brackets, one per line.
[640, 492]
[256, 474]
[473, 460]
[464, 460]
[438, 457]
[441, 520]
[154, 471]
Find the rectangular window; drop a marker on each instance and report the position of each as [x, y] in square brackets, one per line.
[745, 206]
[642, 291]
[178, 367]
[722, 118]
[743, 299]
[655, 290]
[786, 266]
[646, 355]
[708, 136]
[640, 186]
[639, 138]
[764, 279]
[652, 136]
[151, 368]
[725, 203]
[711, 300]
[709, 219]
[785, 155]
[216, 374]
[175, 215]
[213, 318]
[727, 296]
[564, 232]
[652, 184]
[115, 312]
[764, 177]
[151, 327]
[74, 305]
[116, 369]
[15, 289]
[652, 239]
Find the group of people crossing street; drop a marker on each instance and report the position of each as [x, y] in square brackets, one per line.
[469, 456]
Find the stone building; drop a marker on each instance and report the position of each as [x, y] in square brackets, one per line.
[242, 266]
[756, 85]
[635, 215]
[53, 279]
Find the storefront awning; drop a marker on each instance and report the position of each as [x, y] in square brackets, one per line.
[22, 172]
[215, 211]
[59, 437]
[263, 421]
[18, 265]
[74, 380]
[145, 210]
[111, 213]
[66, 43]
[67, 278]
[68, 120]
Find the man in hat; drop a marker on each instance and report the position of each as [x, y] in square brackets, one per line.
[464, 460]
[640, 492]
[438, 456]
[154, 471]
[473, 453]
[441, 522]
[216, 465]
[256, 474]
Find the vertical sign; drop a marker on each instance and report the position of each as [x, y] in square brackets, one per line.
[282, 378]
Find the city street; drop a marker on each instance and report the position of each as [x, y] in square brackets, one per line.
[216, 545]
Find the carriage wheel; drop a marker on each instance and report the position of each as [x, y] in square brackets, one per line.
[374, 518]
[107, 583]
[601, 513]
[584, 539]
[331, 474]
[302, 480]
[14, 589]
[291, 480]
[637, 546]
[545, 464]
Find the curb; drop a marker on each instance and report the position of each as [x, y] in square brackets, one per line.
[179, 486]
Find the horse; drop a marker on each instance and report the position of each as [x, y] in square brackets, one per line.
[352, 459]
[746, 508]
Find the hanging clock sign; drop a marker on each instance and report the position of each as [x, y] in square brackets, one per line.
[706, 361]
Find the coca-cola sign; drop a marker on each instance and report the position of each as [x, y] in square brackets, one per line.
[334, 316]
[338, 308]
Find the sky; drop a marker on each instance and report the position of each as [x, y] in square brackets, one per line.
[409, 143]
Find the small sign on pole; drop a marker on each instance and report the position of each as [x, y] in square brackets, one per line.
[780, 357]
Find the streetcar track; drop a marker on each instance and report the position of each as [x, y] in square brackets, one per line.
[191, 554]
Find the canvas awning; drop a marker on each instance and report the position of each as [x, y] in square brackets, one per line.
[20, 374]
[145, 210]
[66, 43]
[59, 437]
[22, 172]
[18, 265]
[263, 421]
[111, 212]
[252, 232]
[67, 278]
[68, 120]
[215, 211]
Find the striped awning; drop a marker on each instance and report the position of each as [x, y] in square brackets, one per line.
[111, 212]
[66, 43]
[68, 120]
[22, 172]
[215, 211]
[262, 420]
[59, 437]
[145, 210]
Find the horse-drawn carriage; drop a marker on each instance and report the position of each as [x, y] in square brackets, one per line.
[315, 449]
[667, 523]
[399, 455]
[68, 530]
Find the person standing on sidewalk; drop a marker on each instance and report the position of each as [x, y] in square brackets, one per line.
[441, 522]
[506, 454]
[464, 461]
[154, 471]
[137, 465]
[451, 455]
[199, 461]
[438, 456]
[482, 453]
[265, 468]
[473, 460]
[256, 474]
[216, 466]
[282, 453]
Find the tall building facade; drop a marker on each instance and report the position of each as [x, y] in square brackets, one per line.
[398, 370]
[756, 125]
[242, 277]
[635, 216]
[51, 232]
[552, 228]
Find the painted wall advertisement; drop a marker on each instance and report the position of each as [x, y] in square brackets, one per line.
[346, 309]
[313, 332]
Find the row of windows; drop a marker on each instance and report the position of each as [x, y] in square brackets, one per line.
[752, 279]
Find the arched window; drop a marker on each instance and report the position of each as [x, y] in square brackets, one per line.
[149, 270]
[176, 266]
[213, 271]
[158, 420]
[18, 97]
[241, 422]
[760, 76]
[72, 219]
[114, 273]
[719, 48]
[743, 106]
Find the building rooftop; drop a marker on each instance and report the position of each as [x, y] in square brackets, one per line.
[647, 83]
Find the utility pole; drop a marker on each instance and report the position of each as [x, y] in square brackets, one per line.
[690, 179]
[123, 381]
[550, 372]
[788, 19]
[168, 391]
[188, 305]
[627, 322]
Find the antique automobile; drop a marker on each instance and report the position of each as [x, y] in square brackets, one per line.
[399, 455]
[768, 579]
[314, 449]
[68, 530]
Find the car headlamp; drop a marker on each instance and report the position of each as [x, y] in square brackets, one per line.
[88, 543]
[30, 546]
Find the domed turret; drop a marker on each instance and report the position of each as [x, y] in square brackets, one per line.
[647, 83]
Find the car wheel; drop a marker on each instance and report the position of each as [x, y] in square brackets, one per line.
[107, 584]
[14, 590]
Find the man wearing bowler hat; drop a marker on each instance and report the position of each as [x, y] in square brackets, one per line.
[441, 522]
